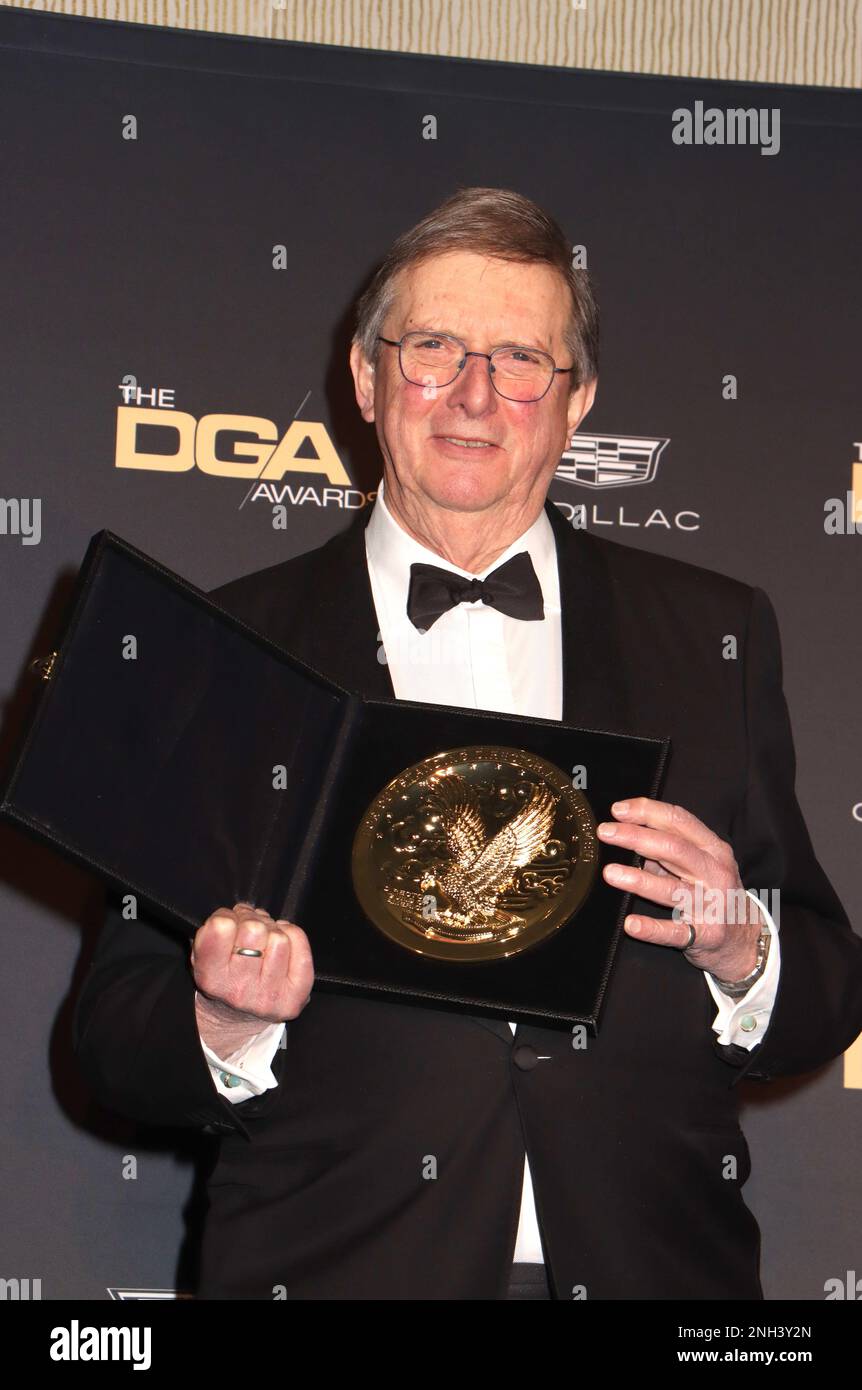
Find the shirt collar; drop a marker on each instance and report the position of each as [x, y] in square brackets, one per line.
[392, 551]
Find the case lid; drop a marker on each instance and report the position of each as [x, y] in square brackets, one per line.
[187, 759]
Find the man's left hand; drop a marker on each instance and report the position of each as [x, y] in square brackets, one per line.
[679, 851]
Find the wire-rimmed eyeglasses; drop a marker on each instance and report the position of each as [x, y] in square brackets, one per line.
[434, 360]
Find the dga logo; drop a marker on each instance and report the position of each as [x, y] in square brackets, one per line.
[609, 460]
[158, 438]
[853, 1065]
[226, 446]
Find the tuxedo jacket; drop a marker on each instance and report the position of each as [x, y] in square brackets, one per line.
[324, 1187]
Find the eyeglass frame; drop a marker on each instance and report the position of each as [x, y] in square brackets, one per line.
[514, 347]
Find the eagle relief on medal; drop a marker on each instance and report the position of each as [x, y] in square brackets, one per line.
[475, 854]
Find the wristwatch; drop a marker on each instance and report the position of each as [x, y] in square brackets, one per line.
[737, 988]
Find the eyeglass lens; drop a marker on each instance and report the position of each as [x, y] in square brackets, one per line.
[520, 374]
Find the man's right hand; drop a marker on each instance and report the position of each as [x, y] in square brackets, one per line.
[239, 996]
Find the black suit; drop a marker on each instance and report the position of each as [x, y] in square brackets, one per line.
[318, 1185]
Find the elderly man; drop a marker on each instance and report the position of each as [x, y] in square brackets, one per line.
[372, 1150]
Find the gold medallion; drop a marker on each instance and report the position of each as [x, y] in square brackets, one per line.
[475, 854]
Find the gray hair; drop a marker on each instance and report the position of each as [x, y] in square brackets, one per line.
[491, 222]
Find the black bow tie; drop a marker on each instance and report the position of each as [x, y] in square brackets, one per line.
[512, 588]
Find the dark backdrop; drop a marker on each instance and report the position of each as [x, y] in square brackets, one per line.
[151, 260]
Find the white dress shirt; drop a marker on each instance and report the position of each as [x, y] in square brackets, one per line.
[478, 658]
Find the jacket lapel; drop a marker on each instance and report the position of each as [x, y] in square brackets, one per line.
[596, 690]
[335, 631]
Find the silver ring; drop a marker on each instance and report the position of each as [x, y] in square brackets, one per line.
[691, 938]
[246, 951]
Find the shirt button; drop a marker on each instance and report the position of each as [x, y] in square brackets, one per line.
[748, 1023]
[525, 1057]
[229, 1080]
